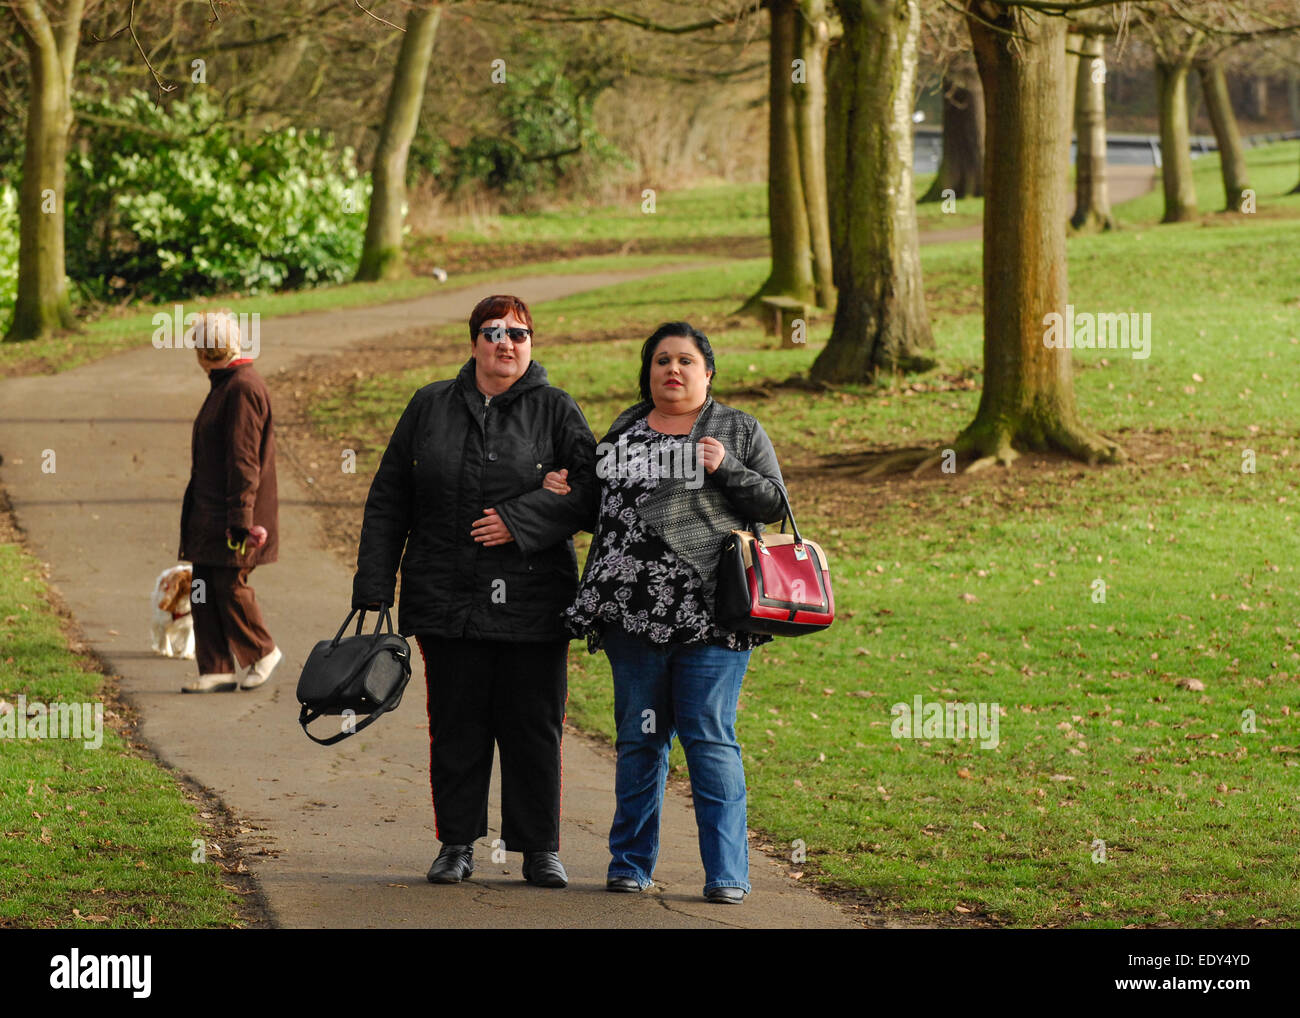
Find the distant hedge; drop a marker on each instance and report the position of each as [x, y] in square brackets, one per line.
[165, 202]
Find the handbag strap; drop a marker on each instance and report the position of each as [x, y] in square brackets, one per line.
[789, 515]
[306, 716]
[382, 618]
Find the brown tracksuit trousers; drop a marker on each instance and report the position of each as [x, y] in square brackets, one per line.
[228, 620]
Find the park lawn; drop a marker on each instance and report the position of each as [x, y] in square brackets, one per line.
[705, 211]
[89, 837]
[1272, 170]
[681, 218]
[984, 589]
[112, 334]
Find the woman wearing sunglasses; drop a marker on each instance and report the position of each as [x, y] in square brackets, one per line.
[487, 571]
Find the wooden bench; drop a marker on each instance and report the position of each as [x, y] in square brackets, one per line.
[782, 313]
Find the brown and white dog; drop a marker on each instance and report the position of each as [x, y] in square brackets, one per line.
[173, 629]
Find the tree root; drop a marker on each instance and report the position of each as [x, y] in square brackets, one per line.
[905, 459]
[1005, 457]
[1085, 444]
[990, 444]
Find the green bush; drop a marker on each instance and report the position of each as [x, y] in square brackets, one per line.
[166, 202]
[8, 254]
[544, 136]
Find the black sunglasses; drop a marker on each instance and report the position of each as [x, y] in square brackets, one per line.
[498, 333]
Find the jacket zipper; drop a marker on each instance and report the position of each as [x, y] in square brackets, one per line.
[487, 400]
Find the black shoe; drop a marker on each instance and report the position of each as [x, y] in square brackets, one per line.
[543, 869]
[454, 864]
[726, 895]
[624, 884]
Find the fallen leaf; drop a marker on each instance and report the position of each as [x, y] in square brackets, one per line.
[1195, 685]
[978, 826]
[962, 772]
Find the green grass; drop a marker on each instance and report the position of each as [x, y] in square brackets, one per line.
[705, 211]
[89, 837]
[980, 589]
[112, 334]
[698, 213]
[1272, 171]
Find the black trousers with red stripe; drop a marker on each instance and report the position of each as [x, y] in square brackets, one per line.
[483, 692]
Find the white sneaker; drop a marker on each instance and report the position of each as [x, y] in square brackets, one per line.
[220, 682]
[260, 671]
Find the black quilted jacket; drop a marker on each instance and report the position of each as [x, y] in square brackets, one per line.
[694, 523]
[453, 454]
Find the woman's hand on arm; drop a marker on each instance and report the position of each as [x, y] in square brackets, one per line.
[712, 453]
[490, 530]
[557, 481]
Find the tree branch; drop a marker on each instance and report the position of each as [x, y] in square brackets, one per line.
[377, 17]
[570, 15]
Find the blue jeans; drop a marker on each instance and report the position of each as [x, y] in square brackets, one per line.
[693, 691]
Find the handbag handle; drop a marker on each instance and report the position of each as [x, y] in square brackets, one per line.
[789, 515]
[382, 618]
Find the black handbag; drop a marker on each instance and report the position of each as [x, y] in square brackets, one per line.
[775, 584]
[364, 674]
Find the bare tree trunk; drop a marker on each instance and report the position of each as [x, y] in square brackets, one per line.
[880, 318]
[50, 33]
[1175, 143]
[1028, 395]
[1232, 159]
[1259, 91]
[1091, 194]
[381, 254]
[1073, 40]
[961, 167]
[792, 274]
[810, 126]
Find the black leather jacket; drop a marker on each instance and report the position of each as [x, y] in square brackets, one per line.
[453, 454]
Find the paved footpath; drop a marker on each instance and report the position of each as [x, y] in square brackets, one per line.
[352, 825]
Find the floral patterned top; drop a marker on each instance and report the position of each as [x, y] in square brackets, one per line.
[635, 580]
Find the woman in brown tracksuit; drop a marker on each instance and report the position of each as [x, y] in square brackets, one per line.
[228, 519]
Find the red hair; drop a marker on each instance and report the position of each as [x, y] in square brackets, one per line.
[497, 306]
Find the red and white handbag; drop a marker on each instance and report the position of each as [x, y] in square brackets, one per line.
[778, 584]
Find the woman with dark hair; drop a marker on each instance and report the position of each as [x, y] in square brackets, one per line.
[677, 472]
[487, 570]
